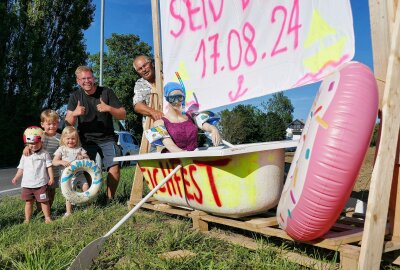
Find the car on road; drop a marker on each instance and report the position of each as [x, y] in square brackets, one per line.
[128, 144]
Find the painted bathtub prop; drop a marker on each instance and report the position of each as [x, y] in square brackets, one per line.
[330, 154]
[67, 177]
[235, 182]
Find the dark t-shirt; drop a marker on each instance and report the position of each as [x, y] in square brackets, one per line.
[95, 127]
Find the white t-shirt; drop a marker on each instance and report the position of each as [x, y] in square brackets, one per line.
[35, 169]
[69, 154]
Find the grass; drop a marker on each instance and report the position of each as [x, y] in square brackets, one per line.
[138, 244]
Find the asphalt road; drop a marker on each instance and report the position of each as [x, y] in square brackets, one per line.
[6, 187]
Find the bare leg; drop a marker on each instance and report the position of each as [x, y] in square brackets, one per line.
[84, 188]
[68, 208]
[112, 181]
[28, 210]
[46, 212]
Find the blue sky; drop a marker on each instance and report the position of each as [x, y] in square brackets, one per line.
[134, 17]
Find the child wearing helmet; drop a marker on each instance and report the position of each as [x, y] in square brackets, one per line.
[49, 121]
[36, 171]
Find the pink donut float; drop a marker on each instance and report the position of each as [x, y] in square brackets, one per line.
[330, 153]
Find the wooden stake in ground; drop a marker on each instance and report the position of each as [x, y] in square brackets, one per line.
[378, 201]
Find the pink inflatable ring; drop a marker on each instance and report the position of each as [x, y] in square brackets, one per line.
[330, 153]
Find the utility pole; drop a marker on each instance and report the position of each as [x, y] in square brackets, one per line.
[101, 42]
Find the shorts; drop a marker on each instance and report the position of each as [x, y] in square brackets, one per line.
[78, 181]
[40, 194]
[108, 151]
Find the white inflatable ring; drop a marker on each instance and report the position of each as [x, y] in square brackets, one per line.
[330, 154]
[88, 166]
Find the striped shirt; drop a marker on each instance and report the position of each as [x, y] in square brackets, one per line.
[50, 144]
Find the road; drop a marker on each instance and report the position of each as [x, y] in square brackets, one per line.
[6, 187]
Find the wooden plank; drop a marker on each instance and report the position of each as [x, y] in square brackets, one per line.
[275, 232]
[391, 246]
[341, 227]
[155, 102]
[173, 211]
[345, 237]
[349, 257]
[381, 180]
[158, 91]
[394, 202]
[250, 243]
[380, 38]
[351, 220]
[262, 222]
[391, 11]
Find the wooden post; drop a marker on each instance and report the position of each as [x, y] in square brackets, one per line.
[394, 202]
[378, 201]
[155, 102]
[382, 17]
[380, 35]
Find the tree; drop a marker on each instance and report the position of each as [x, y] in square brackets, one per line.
[119, 74]
[42, 44]
[244, 124]
[281, 105]
[276, 128]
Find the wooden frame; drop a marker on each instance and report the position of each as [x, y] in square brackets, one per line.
[155, 102]
[383, 201]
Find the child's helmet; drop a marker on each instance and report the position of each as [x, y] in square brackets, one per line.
[33, 134]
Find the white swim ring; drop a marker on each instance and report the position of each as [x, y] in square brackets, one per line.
[68, 174]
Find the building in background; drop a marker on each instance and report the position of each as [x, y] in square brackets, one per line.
[294, 130]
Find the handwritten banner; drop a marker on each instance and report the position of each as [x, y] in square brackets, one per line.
[228, 51]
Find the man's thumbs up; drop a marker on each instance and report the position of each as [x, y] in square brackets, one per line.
[79, 110]
[102, 106]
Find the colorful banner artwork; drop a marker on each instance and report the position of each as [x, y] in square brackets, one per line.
[228, 51]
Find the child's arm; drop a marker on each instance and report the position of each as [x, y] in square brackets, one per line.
[82, 155]
[17, 176]
[57, 161]
[51, 175]
[26, 151]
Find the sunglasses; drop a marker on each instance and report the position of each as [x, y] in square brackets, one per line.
[175, 98]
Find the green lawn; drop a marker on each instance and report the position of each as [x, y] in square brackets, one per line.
[136, 245]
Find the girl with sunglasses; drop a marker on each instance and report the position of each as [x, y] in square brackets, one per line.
[181, 127]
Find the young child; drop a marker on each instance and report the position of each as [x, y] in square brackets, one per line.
[69, 151]
[36, 171]
[49, 121]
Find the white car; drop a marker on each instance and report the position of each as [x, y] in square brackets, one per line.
[128, 143]
[129, 146]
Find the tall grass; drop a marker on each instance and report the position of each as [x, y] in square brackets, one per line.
[138, 244]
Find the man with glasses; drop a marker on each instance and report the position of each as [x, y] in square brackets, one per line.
[141, 99]
[93, 107]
